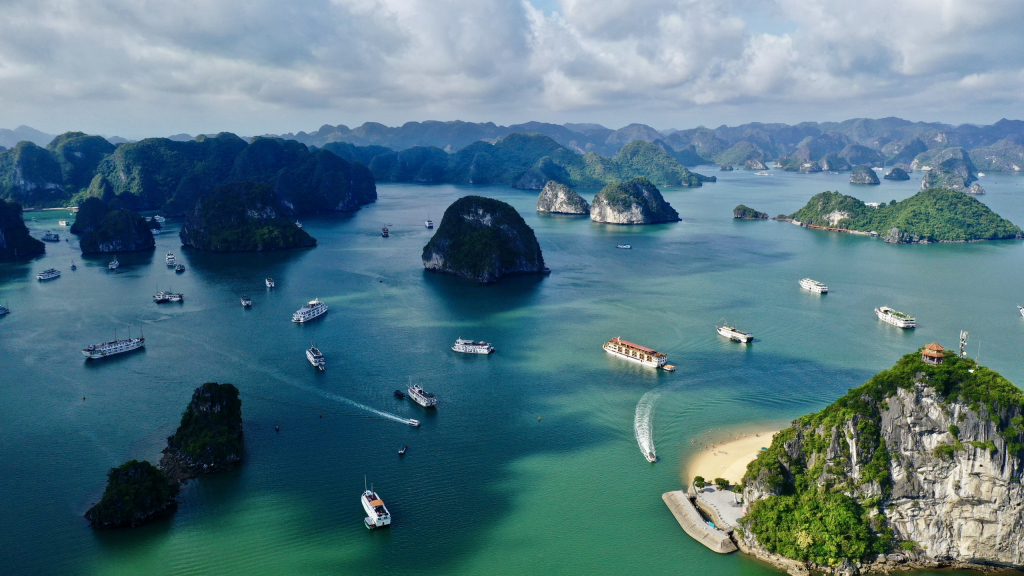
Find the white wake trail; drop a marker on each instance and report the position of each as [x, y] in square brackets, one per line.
[381, 413]
[643, 423]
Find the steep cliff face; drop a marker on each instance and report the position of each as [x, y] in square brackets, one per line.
[921, 466]
[485, 239]
[897, 174]
[102, 230]
[560, 199]
[863, 175]
[242, 217]
[209, 438]
[15, 241]
[635, 201]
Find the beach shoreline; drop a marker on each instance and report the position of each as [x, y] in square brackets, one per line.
[727, 458]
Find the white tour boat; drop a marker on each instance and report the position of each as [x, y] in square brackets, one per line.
[246, 301]
[377, 515]
[64, 222]
[314, 309]
[166, 296]
[813, 286]
[269, 282]
[159, 219]
[734, 334]
[48, 274]
[422, 397]
[50, 237]
[624, 246]
[315, 357]
[169, 259]
[895, 317]
[116, 346]
[114, 264]
[472, 347]
[638, 353]
[429, 223]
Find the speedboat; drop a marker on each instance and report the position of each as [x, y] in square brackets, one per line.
[270, 282]
[624, 246]
[402, 451]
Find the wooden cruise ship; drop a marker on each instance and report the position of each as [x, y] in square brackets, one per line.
[638, 353]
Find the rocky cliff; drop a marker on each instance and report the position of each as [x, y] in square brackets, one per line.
[635, 201]
[560, 199]
[485, 239]
[747, 213]
[242, 217]
[919, 467]
[754, 164]
[863, 175]
[136, 493]
[15, 241]
[897, 174]
[102, 230]
[209, 438]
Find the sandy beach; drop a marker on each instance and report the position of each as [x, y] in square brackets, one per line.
[728, 458]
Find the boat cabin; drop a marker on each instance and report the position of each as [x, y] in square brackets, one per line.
[932, 353]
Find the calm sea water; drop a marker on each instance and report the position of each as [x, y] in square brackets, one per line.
[530, 463]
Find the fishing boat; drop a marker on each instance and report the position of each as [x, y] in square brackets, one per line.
[384, 231]
[813, 286]
[896, 318]
[472, 347]
[169, 259]
[179, 268]
[115, 346]
[246, 301]
[377, 515]
[399, 394]
[48, 274]
[50, 237]
[402, 451]
[421, 396]
[114, 264]
[624, 246]
[313, 309]
[269, 282]
[735, 335]
[315, 357]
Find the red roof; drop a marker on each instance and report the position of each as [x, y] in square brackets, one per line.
[637, 346]
[934, 346]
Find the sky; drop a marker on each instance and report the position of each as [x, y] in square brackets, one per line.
[138, 68]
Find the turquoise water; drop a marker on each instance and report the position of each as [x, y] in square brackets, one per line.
[530, 462]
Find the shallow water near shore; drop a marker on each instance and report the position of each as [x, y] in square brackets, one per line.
[530, 462]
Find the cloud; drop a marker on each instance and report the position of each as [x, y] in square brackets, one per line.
[139, 67]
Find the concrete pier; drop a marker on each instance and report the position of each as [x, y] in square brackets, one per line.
[690, 520]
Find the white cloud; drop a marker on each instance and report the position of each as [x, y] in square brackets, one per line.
[139, 67]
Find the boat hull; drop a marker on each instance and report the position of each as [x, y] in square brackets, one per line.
[648, 363]
[103, 353]
[904, 323]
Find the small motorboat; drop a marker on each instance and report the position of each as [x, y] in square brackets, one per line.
[384, 232]
[64, 223]
[270, 282]
[624, 246]
[73, 267]
[114, 264]
[402, 451]
[414, 423]
[429, 223]
[399, 394]
[179, 268]
[277, 428]
[246, 302]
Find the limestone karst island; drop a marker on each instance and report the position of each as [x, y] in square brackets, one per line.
[511, 287]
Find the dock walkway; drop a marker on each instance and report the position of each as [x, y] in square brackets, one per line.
[690, 520]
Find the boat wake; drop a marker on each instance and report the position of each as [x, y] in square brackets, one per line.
[381, 413]
[643, 425]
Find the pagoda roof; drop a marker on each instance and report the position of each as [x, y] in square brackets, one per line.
[934, 346]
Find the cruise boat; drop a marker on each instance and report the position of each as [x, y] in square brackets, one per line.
[48, 274]
[377, 515]
[179, 268]
[895, 317]
[624, 246]
[315, 357]
[246, 301]
[313, 309]
[472, 347]
[384, 231]
[734, 334]
[169, 259]
[116, 346]
[429, 223]
[269, 282]
[64, 222]
[638, 353]
[166, 296]
[813, 286]
[160, 219]
[422, 397]
[114, 264]
[50, 237]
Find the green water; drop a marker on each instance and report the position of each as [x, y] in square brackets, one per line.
[530, 463]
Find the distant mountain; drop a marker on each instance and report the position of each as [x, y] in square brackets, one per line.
[10, 138]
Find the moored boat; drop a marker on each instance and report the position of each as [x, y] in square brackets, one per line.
[384, 232]
[298, 224]
[114, 264]
[115, 346]
[422, 397]
[896, 318]
[73, 266]
[1021, 308]
[269, 282]
[313, 309]
[64, 222]
[50, 237]
[734, 334]
[315, 357]
[159, 218]
[472, 347]
[813, 286]
[246, 301]
[377, 515]
[638, 353]
[48, 274]
[4, 310]
[169, 259]
[399, 394]
[179, 268]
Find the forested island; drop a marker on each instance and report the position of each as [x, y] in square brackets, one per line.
[933, 215]
[15, 241]
[101, 229]
[635, 201]
[920, 467]
[743, 212]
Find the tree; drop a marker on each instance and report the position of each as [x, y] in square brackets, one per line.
[699, 482]
[722, 483]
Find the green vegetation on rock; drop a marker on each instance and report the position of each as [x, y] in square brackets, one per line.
[485, 239]
[635, 201]
[748, 213]
[863, 175]
[933, 215]
[242, 217]
[136, 492]
[210, 435]
[15, 241]
[102, 230]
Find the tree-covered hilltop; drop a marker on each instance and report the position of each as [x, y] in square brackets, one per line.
[911, 460]
[525, 161]
[635, 201]
[15, 241]
[102, 229]
[744, 212]
[209, 438]
[933, 215]
[136, 492]
[485, 239]
[242, 217]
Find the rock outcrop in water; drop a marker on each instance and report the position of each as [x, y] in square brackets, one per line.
[754, 164]
[897, 173]
[136, 493]
[747, 213]
[242, 217]
[558, 198]
[485, 239]
[918, 468]
[103, 230]
[863, 175]
[209, 438]
[15, 241]
[635, 201]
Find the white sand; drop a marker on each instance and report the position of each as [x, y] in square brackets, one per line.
[728, 459]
